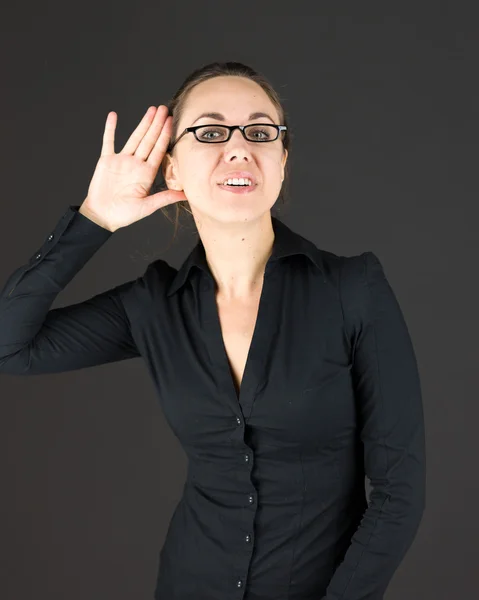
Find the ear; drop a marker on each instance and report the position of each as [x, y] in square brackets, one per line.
[285, 158]
[168, 168]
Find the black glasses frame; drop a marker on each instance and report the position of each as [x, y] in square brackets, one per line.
[231, 128]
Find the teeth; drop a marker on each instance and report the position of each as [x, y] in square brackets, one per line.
[240, 181]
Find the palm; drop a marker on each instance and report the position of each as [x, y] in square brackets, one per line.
[119, 189]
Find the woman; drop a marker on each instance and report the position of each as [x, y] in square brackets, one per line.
[286, 371]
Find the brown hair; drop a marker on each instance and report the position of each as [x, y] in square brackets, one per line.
[177, 103]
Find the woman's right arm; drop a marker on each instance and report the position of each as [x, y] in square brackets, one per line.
[35, 339]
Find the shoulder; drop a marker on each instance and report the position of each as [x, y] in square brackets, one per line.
[355, 278]
[352, 271]
[148, 288]
[360, 269]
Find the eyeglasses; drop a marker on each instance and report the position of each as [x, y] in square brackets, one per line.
[215, 134]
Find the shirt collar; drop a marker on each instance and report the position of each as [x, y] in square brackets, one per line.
[286, 243]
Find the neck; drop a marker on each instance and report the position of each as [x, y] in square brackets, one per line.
[237, 254]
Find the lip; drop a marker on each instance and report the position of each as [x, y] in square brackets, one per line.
[247, 189]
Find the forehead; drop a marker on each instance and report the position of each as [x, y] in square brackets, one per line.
[236, 98]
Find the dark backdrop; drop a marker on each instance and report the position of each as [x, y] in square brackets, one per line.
[384, 111]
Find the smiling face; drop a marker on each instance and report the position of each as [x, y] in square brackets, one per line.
[198, 168]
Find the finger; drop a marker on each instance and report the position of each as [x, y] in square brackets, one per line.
[161, 146]
[137, 135]
[108, 145]
[149, 140]
[163, 198]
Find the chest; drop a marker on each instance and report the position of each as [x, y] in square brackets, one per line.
[237, 322]
[278, 363]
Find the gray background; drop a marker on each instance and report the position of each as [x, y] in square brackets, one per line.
[383, 108]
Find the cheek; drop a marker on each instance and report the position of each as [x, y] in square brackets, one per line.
[272, 178]
[272, 166]
[196, 176]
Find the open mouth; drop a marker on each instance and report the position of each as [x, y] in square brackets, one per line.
[238, 189]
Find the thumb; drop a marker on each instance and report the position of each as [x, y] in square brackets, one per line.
[163, 198]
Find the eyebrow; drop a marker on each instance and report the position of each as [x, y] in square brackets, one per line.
[219, 117]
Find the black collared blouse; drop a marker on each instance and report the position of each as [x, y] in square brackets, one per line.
[274, 506]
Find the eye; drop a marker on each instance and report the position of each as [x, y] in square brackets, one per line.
[211, 133]
[262, 133]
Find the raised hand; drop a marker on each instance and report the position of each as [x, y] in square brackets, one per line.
[118, 192]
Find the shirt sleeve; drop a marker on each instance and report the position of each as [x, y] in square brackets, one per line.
[35, 339]
[390, 412]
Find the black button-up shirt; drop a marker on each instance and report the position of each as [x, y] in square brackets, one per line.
[274, 505]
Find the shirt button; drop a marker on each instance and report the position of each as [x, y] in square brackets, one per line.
[251, 499]
[50, 237]
[246, 457]
[38, 255]
[238, 420]
[247, 538]
[239, 583]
